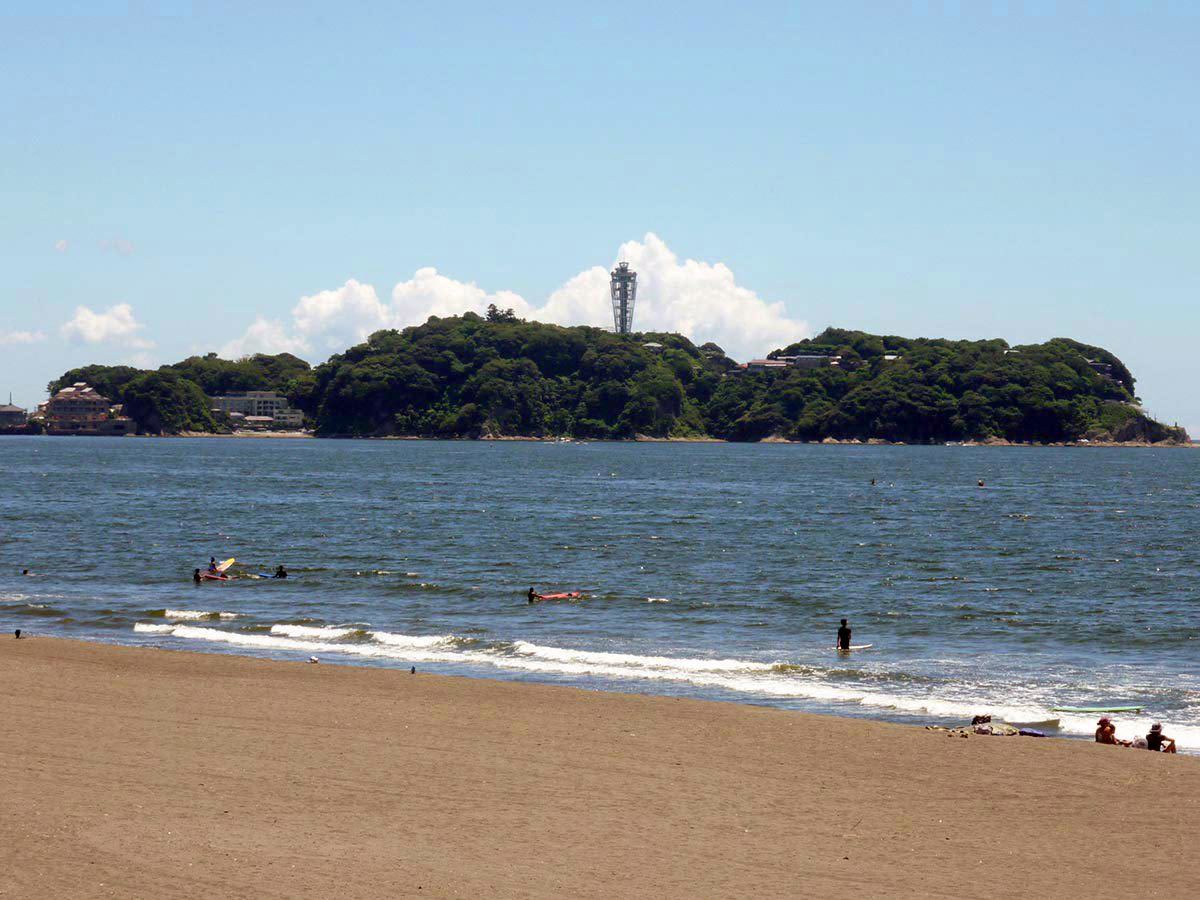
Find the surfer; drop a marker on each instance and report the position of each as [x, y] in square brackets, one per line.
[1159, 742]
[196, 576]
[280, 572]
[212, 565]
[533, 595]
[843, 636]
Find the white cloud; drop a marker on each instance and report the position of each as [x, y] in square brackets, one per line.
[340, 317]
[698, 299]
[62, 246]
[264, 336]
[11, 338]
[120, 246]
[116, 325]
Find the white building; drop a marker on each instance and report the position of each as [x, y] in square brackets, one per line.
[260, 405]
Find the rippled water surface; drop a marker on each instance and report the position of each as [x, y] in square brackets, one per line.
[707, 570]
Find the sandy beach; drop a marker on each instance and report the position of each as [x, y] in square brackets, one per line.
[136, 772]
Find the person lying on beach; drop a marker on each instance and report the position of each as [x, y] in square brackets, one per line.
[1106, 733]
[1159, 742]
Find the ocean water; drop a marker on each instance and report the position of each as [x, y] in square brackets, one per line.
[707, 570]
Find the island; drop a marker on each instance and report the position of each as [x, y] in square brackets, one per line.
[497, 376]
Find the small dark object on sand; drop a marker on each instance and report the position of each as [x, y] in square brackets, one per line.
[17, 634]
[412, 671]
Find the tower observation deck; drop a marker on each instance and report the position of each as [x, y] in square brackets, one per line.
[623, 287]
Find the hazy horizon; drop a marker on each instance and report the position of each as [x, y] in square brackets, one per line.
[186, 179]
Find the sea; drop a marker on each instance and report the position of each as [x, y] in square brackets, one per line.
[1071, 577]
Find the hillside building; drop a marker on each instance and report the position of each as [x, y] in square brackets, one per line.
[81, 409]
[258, 405]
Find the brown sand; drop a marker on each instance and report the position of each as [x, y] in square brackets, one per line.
[146, 773]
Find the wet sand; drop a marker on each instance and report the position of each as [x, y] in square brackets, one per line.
[134, 772]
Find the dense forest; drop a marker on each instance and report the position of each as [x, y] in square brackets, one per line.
[174, 398]
[472, 376]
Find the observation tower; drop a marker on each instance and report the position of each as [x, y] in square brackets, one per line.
[623, 287]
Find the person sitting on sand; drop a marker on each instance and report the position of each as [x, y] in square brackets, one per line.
[533, 595]
[1106, 733]
[196, 576]
[843, 636]
[280, 572]
[1159, 742]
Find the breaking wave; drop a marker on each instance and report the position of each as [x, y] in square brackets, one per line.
[735, 676]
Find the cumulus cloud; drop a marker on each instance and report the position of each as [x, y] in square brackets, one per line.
[12, 338]
[116, 325]
[62, 246]
[699, 299]
[338, 318]
[264, 336]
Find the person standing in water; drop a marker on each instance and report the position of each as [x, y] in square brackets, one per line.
[533, 595]
[280, 572]
[196, 576]
[843, 636]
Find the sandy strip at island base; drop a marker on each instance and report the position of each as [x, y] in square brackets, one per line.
[134, 772]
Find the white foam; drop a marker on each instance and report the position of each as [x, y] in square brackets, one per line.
[409, 640]
[193, 614]
[336, 632]
[274, 642]
[664, 663]
[315, 632]
[732, 675]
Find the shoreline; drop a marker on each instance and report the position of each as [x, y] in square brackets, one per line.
[643, 439]
[151, 772]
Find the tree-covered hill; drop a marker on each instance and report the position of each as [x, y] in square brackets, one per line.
[173, 398]
[469, 376]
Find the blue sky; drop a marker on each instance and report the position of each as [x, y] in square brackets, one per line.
[183, 171]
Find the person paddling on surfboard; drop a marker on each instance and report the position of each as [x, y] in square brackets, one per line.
[843, 636]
